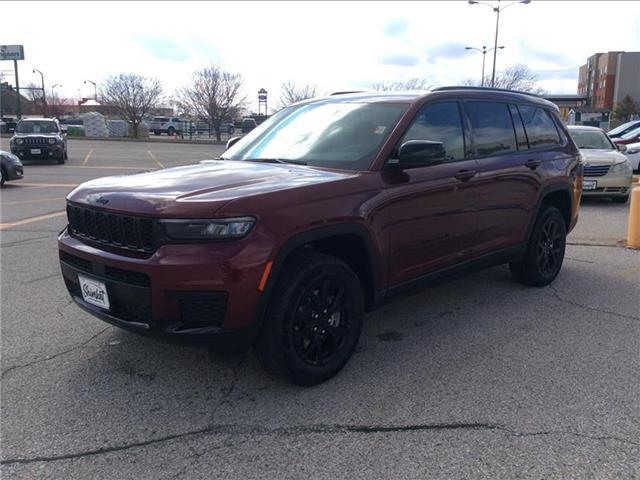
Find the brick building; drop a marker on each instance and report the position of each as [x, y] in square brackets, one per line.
[607, 78]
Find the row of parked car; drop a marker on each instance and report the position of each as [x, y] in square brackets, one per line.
[178, 126]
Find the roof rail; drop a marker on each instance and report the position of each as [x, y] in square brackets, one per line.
[488, 89]
[346, 92]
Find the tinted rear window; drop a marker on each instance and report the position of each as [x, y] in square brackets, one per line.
[539, 126]
[492, 128]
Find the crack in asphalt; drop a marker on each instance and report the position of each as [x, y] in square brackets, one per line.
[45, 277]
[20, 243]
[51, 357]
[313, 430]
[618, 244]
[588, 308]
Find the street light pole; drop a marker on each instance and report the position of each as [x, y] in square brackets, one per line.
[484, 52]
[495, 46]
[497, 9]
[44, 96]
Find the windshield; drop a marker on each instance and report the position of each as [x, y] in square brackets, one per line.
[632, 133]
[339, 135]
[624, 128]
[36, 126]
[591, 139]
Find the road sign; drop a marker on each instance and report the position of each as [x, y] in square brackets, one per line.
[11, 52]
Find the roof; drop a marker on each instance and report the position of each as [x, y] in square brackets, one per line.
[584, 127]
[416, 95]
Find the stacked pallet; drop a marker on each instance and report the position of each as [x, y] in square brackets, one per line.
[117, 128]
[95, 125]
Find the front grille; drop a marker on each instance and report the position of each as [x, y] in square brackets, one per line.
[129, 310]
[35, 141]
[122, 231]
[202, 309]
[596, 171]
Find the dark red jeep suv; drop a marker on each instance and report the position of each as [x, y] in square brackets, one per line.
[322, 213]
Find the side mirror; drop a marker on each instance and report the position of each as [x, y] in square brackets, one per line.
[232, 141]
[621, 148]
[419, 153]
[63, 130]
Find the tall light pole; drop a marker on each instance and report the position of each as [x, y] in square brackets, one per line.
[44, 97]
[484, 52]
[496, 8]
[95, 89]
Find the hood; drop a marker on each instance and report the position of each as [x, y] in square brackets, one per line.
[602, 157]
[197, 190]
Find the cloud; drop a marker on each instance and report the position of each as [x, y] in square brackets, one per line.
[400, 60]
[163, 48]
[396, 27]
[448, 51]
[533, 54]
[564, 74]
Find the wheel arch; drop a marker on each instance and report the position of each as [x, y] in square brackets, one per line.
[351, 242]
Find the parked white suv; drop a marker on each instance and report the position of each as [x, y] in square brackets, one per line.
[169, 125]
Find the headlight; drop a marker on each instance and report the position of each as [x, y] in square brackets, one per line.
[19, 141]
[621, 167]
[51, 141]
[633, 151]
[208, 229]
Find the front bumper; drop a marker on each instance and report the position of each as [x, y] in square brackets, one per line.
[203, 293]
[14, 172]
[611, 184]
[46, 151]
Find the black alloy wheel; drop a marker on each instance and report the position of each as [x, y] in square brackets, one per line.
[321, 323]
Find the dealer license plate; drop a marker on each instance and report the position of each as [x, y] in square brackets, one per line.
[36, 151]
[94, 292]
[589, 184]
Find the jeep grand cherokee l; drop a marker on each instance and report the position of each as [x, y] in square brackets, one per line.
[326, 210]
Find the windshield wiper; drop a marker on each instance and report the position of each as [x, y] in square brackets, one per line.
[276, 160]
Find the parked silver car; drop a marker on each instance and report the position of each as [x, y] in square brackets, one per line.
[607, 172]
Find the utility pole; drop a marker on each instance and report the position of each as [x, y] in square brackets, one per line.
[18, 103]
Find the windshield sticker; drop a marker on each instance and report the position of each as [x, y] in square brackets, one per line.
[380, 130]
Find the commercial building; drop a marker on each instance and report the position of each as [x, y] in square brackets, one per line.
[607, 78]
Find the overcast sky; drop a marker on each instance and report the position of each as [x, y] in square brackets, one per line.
[334, 45]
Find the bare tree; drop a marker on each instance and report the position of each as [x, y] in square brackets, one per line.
[214, 94]
[56, 105]
[404, 85]
[33, 93]
[292, 93]
[626, 109]
[133, 96]
[517, 77]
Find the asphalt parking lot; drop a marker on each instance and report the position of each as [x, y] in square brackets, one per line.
[477, 378]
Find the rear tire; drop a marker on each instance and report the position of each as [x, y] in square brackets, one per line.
[544, 255]
[171, 131]
[620, 199]
[314, 320]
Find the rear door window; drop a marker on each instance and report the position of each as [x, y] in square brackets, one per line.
[540, 128]
[440, 122]
[491, 127]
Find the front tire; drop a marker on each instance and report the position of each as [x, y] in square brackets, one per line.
[314, 320]
[544, 255]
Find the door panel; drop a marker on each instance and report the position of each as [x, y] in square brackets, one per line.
[509, 175]
[431, 220]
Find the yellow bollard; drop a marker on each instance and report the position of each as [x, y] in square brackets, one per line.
[633, 232]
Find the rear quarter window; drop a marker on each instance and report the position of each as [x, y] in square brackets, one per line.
[540, 127]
